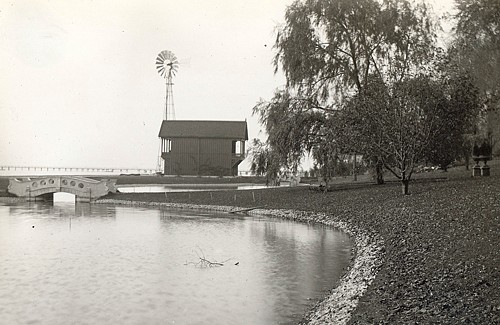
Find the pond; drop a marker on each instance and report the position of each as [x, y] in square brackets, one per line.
[158, 188]
[98, 264]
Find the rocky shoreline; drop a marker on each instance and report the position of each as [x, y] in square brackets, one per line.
[337, 306]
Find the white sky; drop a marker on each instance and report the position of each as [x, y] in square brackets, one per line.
[79, 87]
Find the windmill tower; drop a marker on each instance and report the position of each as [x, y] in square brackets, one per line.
[167, 65]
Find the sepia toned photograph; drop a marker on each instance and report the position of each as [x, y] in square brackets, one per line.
[249, 162]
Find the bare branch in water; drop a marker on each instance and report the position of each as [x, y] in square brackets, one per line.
[204, 262]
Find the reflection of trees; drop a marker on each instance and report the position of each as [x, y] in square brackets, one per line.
[196, 229]
[283, 261]
[195, 217]
[301, 259]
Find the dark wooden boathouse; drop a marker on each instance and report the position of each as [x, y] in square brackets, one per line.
[204, 148]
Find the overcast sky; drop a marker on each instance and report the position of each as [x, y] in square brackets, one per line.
[79, 87]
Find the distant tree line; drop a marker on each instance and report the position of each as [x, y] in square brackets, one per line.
[366, 77]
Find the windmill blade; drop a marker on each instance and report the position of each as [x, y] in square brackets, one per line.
[162, 55]
[166, 63]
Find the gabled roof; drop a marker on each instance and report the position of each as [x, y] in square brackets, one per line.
[204, 129]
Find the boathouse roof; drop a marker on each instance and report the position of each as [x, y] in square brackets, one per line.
[204, 129]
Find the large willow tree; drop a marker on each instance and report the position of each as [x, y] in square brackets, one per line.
[476, 50]
[328, 50]
[476, 46]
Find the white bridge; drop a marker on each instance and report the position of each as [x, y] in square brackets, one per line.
[43, 188]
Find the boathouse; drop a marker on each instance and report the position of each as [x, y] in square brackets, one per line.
[203, 148]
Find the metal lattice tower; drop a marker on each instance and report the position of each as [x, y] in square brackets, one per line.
[169, 99]
[167, 65]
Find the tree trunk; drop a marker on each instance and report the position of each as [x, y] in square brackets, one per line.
[405, 183]
[354, 172]
[379, 170]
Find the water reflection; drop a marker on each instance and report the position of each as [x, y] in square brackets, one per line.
[298, 252]
[101, 264]
[60, 210]
[188, 188]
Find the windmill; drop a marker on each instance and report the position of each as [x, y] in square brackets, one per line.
[167, 65]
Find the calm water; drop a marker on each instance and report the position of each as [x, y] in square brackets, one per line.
[185, 188]
[96, 264]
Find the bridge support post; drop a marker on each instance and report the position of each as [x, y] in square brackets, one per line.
[85, 198]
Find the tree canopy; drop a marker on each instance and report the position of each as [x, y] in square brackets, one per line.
[329, 48]
[476, 48]
[412, 120]
[365, 77]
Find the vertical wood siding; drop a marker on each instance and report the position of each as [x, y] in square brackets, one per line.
[198, 156]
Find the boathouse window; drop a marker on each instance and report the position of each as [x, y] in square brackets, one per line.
[166, 145]
[237, 148]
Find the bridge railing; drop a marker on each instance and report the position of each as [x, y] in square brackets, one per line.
[11, 170]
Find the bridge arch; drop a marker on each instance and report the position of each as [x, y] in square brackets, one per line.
[85, 189]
